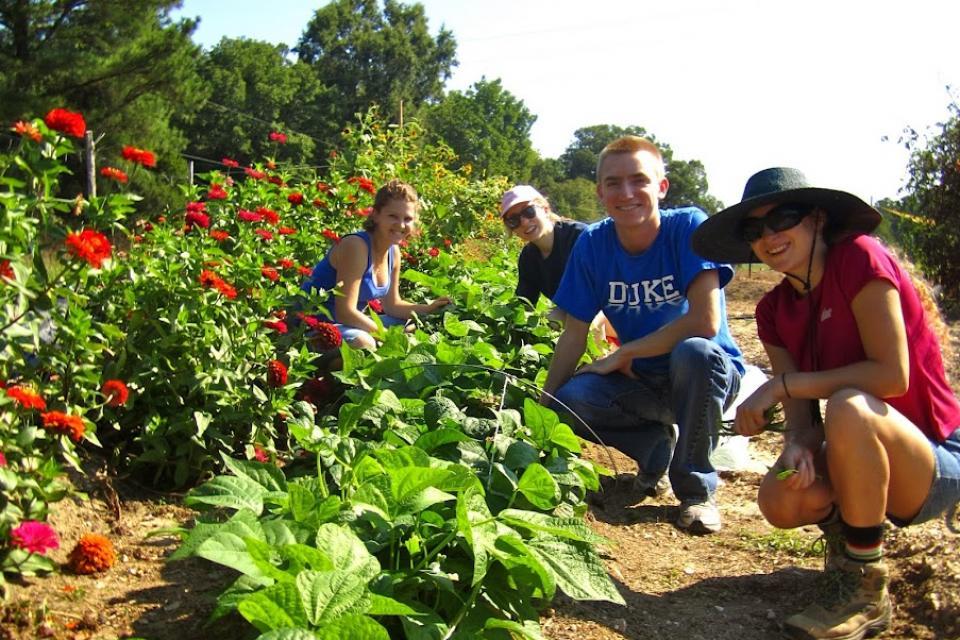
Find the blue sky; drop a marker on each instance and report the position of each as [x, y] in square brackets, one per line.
[740, 85]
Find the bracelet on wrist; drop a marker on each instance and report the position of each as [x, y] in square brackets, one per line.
[783, 382]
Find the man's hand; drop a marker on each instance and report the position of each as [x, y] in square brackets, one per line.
[614, 361]
[751, 414]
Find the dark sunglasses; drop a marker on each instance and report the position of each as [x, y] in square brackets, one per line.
[513, 221]
[781, 218]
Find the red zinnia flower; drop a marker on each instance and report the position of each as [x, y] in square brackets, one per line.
[295, 198]
[277, 325]
[116, 392]
[363, 183]
[26, 398]
[320, 204]
[230, 162]
[323, 187]
[276, 374]
[216, 192]
[447, 242]
[219, 236]
[197, 207]
[68, 122]
[253, 173]
[6, 271]
[365, 212]
[3, 460]
[316, 391]
[286, 231]
[59, 422]
[376, 305]
[329, 234]
[93, 553]
[114, 174]
[139, 156]
[326, 336]
[263, 233]
[35, 537]
[260, 455]
[269, 273]
[277, 180]
[304, 271]
[249, 216]
[434, 252]
[196, 219]
[286, 263]
[280, 138]
[90, 245]
[27, 130]
[209, 279]
[269, 215]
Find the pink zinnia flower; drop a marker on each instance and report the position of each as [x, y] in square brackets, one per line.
[249, 216]
[263, 233]
[230, 162]
[35, 537]
[279, 138]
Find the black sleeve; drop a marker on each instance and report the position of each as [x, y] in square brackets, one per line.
[528, 284]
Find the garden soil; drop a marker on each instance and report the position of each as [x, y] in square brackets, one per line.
[738, 584]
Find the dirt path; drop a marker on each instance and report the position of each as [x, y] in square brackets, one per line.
[738, 584]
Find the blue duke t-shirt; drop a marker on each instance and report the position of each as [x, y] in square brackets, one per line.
[641, 293]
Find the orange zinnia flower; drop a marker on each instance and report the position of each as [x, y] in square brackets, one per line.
[59, 422]
[93, 553]
[26, 398]
[27, 130]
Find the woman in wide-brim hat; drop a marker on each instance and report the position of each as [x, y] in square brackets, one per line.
[848, 326]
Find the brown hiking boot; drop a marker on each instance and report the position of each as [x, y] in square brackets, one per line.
[852, 602]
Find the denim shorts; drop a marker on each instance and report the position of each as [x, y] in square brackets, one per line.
[350, 334]
[945, 490]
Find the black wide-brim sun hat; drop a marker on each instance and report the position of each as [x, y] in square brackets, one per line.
[719, 238]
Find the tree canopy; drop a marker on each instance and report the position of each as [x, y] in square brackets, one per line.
[256, 90]
[368, 56]
[488, 127]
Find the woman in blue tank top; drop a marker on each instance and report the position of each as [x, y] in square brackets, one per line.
[365, 266]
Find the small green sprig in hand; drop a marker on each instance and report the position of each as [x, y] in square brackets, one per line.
[774, 416]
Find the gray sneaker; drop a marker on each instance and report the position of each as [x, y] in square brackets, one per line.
[699, 516]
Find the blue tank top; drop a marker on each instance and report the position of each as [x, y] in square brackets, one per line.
[324, 276]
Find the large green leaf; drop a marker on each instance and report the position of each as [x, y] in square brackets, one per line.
[231, 492]
[266, 475]
[276, 607]
[347, 551]
[573, 528]
[579, 571]
[539, 487]
[353, 627]
[328, 595]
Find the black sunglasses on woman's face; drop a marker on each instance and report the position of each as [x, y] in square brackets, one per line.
[781, 218]
[513, 221]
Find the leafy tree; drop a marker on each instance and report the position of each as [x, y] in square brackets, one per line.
[575, 199]
[930, 217]
[122, 63]
[488, 128]
[256, 90]
[371, 57]
[580, 158]
[688, 178]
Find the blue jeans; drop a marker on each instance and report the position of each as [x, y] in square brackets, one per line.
[945, 490]
[636, 415]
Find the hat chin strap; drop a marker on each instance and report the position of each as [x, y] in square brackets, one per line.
[806, 282]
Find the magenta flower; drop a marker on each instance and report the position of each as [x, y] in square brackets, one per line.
[35, 537]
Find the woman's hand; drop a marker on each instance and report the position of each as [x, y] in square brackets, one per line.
[439, 303]
[751, 418]
[795, 468]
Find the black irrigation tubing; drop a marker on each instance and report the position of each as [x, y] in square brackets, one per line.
[520, 382]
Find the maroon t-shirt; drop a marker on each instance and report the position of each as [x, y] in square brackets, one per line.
[783, 320]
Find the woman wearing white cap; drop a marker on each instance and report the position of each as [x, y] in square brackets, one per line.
[846, 325]
[549, 240]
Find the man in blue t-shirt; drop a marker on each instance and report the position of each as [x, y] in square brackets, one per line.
[678, 362]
